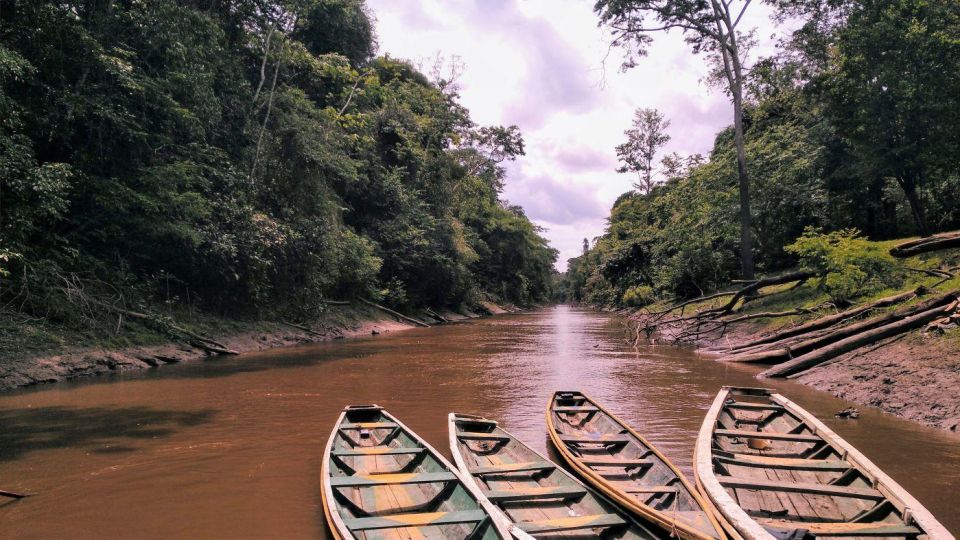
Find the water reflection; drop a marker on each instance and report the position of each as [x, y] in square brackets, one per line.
[230, 448]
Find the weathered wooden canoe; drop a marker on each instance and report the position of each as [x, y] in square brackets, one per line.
[533, 496]
[380, 480]
[772, 470]
[626, 467]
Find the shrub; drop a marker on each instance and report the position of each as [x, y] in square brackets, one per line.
[849, 264]
[638, 296]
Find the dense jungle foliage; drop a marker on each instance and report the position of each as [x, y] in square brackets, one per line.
[853, 126]
[246, 157]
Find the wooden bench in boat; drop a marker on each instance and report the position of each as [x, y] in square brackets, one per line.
[477, 436]
[793, 464]
[415, 520]
[850, 529]
[791, 487]
[391, 479]
[652, 489]
[575, 409]
[368, 425]
[377, 451]
[754, 406]
[769, 435]
[607, 462]
[571, 523]
[604, 439]
[514, 467]
[529, 494]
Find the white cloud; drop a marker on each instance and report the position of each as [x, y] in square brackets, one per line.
[540, 64]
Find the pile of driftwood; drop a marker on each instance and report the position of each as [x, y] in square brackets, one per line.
[797, 348]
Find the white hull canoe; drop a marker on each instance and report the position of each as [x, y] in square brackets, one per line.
[772, 470]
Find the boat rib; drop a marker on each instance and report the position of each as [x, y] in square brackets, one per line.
[381, 481]
[531, 495]
[616, 460]
[772, 470]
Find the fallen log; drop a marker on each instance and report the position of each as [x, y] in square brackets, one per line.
[13, 494]
[830, 320]
[394, 313]
[801, 275]
[778, 354]
[304, 328]
[811, 359]
[927, 244]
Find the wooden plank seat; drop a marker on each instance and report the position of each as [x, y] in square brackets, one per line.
[368, 425]
[769, 435]
[603, 439]
[423, 519]
[791, 464]
[476, 421]
[477, 436]
[514, 467]
[849, 529]
[530, 494]
[571, 523]
[792, 487]
[754, 406]
[391, 479]
[576, 409]
[377, 451]
[652, 489]
[626, 463]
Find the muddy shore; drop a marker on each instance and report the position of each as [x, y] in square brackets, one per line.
[351, 321]
[915, 376]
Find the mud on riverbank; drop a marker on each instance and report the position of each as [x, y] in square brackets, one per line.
[915, 376]
[344, 322]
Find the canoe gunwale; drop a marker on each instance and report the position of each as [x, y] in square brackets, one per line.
[659, 518]
[742, 524]
[339, 529]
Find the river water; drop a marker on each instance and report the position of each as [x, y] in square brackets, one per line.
[231, 448]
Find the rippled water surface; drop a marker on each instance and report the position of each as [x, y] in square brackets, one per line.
[231, 448]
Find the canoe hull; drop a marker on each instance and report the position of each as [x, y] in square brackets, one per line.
[757, 449]
[662, 519]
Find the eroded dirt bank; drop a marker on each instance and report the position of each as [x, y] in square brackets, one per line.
[915, 376]
[350, 321]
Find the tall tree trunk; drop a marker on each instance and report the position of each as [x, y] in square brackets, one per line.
[909, 186]
[746, 221]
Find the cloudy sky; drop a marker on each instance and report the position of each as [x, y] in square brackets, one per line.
[545, 66]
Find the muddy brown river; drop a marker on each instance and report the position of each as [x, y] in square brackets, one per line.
[231, 448]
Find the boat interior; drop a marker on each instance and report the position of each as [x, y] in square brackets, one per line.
[387, 484]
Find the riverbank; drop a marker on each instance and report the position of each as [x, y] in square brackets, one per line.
[339, 322]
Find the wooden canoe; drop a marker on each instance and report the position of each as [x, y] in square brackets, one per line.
[381, 481]
[530, 494]
[772, 470]
[626, 467]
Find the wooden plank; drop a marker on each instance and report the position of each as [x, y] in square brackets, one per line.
[376, 451]
[601, 462]
[515, 467]
[363, 480]
[575, 409]
[475, 436]
[424, 519]
[603, 439]
[812, 489]
[754, 406]
[368, 425]
[745, 460]
[571, 523]
[535, 493]
[769, 435]
[849, 529]
[653, 489]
